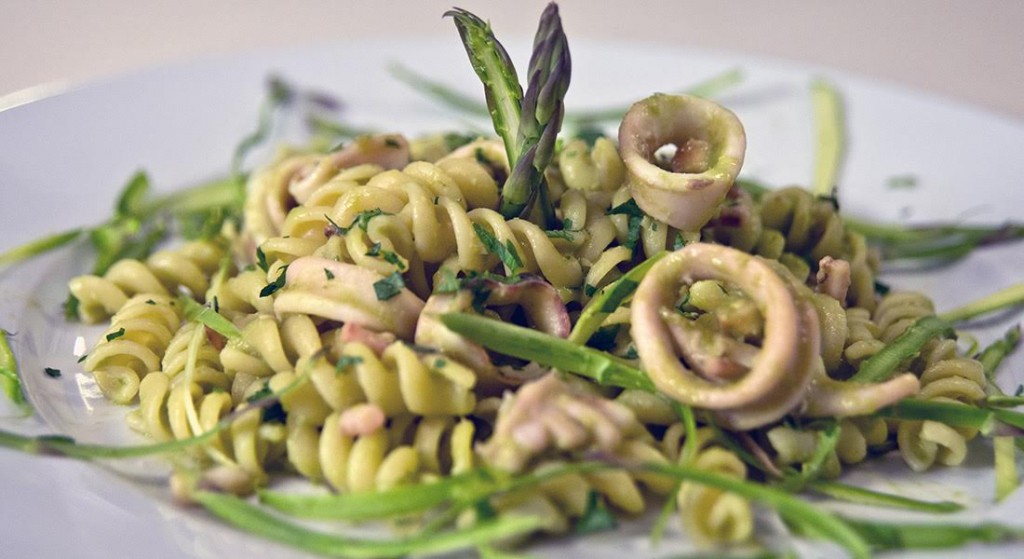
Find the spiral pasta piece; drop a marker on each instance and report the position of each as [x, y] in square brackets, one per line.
[945, 378]
[131, 347]
[405, 453]
[189, 266]
[710, 515]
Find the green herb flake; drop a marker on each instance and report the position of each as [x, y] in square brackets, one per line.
[506, 253]
[272, 413]
[392, 143]
[440, 363]
[83, 358]
[329, 274]
[902, 181]
[261, 260]
[374, 250]
[596, 517]
[362, 220]
[275, 285]
[115, 335]
[448, 282]
[150, 302]
[347, 361]
[589, 290]
[566, 232]
[636, 216]
[455, 140]
[51, 372]
[389, 286]
[679, 241]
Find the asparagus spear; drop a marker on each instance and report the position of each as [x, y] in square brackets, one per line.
[527, 123]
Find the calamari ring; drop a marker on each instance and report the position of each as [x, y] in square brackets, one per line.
[684, 200]
[781, 372]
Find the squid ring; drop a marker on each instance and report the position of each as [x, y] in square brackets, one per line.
[781, 371]
[684, 200]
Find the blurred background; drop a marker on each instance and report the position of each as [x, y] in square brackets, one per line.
[969, 50]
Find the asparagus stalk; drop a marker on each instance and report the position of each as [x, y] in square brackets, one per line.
[527, 123]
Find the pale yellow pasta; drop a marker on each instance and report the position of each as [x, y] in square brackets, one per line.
[189, 266]
[132, 346]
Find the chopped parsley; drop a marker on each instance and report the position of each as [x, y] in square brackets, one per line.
[51, 372]
[275, 285]
[272, 413]
[636, 216]
[387, 255]
[596, 517]
[115, 335]
[389, 286]
[362, 221]
[329, 274]
[448, 282]
[566, 232]
[261, 259]
[507, 252]
[679, 241]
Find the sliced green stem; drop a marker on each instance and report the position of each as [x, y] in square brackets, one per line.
[39, 246]
[547, 350]
[830, 132]
[890, 535]
[256, 520]
[10, 381]
[881, 366]
[862, 496]
[209, 318]
[1005, 298]
[609, 299]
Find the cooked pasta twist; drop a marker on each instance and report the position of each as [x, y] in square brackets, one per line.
[945, 378]
[409, 451]
[132, 346]
[189, 266]
[710, 515]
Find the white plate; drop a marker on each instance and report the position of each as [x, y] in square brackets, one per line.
[63, 159]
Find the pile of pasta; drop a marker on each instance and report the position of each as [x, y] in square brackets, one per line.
[347, 260]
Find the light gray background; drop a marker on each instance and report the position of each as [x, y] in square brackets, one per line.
[970, 50]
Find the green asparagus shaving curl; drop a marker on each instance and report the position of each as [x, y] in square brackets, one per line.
[256, 520]
[10, 382]
[890, 535]
[209, 318]
[608, 299]
[830, 137]
[881, 366]
[1002, 299]
[452, 98]
[863, 496]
